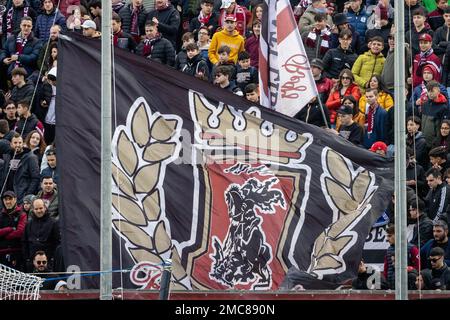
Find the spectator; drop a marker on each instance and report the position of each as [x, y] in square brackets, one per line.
[384, 99]
[317, 41]
[313, 113]
[27, 121]
[348, 128]
[41, 268]
[20, 170]
[358, 117]
[155, 47]
[323, 84]
[389, 259]
[196, 65]
[49, 112]
[423, 226]
[166, 18]
[181, 57]
[27, 202]
[440, 239]
[438, 277]
[375, 119]
[415, 174]
[49, 194]
[257, 14]
[133, 17]
[224, 60]
[22, 91]
[222, 77]
[436, 17]
[245, 73]
[121, 38]
[89, 29]
[365, 279]
[440, 37]
[306, 22]
[50, 170]
[22, 50]
[49, 17]
[342, 57]
[387, 75]
[35, 142]
[252, 43]
[357, 17]
[438, 159]
[410, 7]
[434, 111]
[228, 36]
[75, 21]
[416, 141]
[64, 5]
[46, 51]
[12, 18]
[344, 87]
[95, 8]
[252, 93]
[437, 199]
[425, 57]
[241, 14]
[5, 137]
[443, 136]
[41, 233]
[11, 114]
[420, 27]
[341, 23]
[206, 18]
[370, 62]
[12, 227]
[380, 148]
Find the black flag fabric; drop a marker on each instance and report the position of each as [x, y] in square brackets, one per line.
[233, 194]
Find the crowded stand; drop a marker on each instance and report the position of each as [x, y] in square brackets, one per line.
[350, 47]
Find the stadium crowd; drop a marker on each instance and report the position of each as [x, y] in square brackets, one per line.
[350, 47]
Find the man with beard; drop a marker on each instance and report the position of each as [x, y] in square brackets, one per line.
[438, 277]
[22, 50]
[45, 50]
[156, 47]
[12, 225]
[20, 169]
[167, 19]
[440, 239]
[49, 194]
[41, 268]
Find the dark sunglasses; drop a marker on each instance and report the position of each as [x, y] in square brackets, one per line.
[41, 262]
[434, 259]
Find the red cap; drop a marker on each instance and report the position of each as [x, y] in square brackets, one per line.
[230, 17]
[425, 37]
[379, 145]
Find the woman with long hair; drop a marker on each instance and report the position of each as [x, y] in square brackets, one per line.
[358, 117]
[252, 43]
[35, 142]
[257, 12]
[344, 87]
[385, 99]
[443, 136]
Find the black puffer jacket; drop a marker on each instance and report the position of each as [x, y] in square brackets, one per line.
[168, 22]
[162, 51]
[125, 14]
[337, 59]
[41, 234]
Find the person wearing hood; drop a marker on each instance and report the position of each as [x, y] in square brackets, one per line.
[27, 120]
[19, 169]
[27, 202]
[22, 49]
[50, 16]
[228, 36]
[13, 15]
[416, 141]
[12, 226]
[306, 22]
[41, 233]
[167, 19]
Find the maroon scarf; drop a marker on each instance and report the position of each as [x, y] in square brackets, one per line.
[9, 20]
[20, 45]
[134, 30]
[370, 118]
[148, 45]
[325, 35]
[204, 20]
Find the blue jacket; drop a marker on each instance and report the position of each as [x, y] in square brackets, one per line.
[29, 56]
[378, 133]
[358, 21]
[44, 22]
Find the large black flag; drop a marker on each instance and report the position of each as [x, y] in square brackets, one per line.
[233, 193]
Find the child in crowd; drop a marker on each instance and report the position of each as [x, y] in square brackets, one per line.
[245, 73]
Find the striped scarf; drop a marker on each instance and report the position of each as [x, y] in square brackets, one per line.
[9, 20]
[324, 35]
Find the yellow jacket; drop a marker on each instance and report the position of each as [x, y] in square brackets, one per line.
[366, 65]
[235, 42]
[384, 100]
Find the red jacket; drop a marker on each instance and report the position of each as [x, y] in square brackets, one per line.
[417, 70]
[334, 100]
[12, 227]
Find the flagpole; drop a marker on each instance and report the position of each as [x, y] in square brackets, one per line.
[106, 183]
[401, 262]
[322, 111]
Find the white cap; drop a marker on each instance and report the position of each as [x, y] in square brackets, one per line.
[226, 4]
[89, 24]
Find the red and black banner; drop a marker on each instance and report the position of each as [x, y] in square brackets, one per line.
[234, 194]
